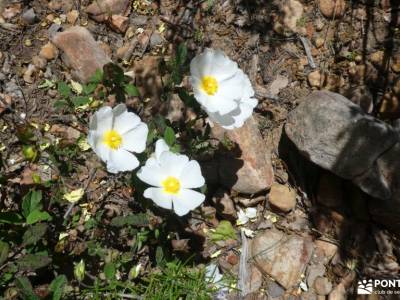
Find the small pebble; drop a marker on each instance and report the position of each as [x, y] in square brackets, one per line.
[29, 17]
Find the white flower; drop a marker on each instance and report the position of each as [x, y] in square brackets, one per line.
[114, 134]
[246, 215]
[173, 177]
[222, 89]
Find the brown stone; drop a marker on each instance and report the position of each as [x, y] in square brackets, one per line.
[328, 249]
[247, 167]
[224, 205]
[82, 53]
[316, 78]
[72, 16]
[282, 198]
[119, 23]
[332, 8]
[283, 257]
[39, 62]
[322, 286]
[100, 10]
[48, 51]
[377, 58]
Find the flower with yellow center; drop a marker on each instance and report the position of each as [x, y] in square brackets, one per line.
[209, 85]
[171, 185]
[114, 134]
[172, 177]
[112, 139]
[222, 89]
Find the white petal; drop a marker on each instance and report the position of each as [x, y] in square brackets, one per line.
[248, 91]
[236, 118]
[231, 88]
[191, 176]
[151, 174]
[151, 161]
[124, 121]
[251, 212]
[223, 68]
[102, 150]
[202, 64]
[101, 121]
[242, 218]
[159, 197]
[121, 161]
[186, 201]
[221, 105]
[161, 146]
[227, 120]
[135, 139]
[217, 103]
[172, 164]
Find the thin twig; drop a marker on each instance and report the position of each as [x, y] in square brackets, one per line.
[306, 45]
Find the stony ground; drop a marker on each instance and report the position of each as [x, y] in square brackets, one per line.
[326, 215]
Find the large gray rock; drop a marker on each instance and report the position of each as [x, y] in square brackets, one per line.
[80, 52]
[247, 168]
[337, 135]
[281, 256]
[387, 212]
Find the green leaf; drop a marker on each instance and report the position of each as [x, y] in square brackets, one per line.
[131, 90]
[88, 89]
[63, 89]
[80, 101]
[26, 289]
[169, 136]
[33, 234]
[97, 77]
[110, 270]
[10, 218]
[186, 98]
[4, 249]
[31, 202]
[60, 104]
[37, 216]
[181, 54]
[57, 286]
[113, 74]
[31, 262]
[139, 220]
[223, 232]
[47, 84]
[159, 256]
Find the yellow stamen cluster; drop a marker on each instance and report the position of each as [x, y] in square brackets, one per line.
[112, 139]
[171, 185]
[209, 85]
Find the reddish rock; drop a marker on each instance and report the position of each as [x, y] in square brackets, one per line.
[283, 257]
[224, 205]
[247, 167]
[332, 8]
[119, 23]
[100, 10]
[48, 51]
[282, 198]
[82, 53]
